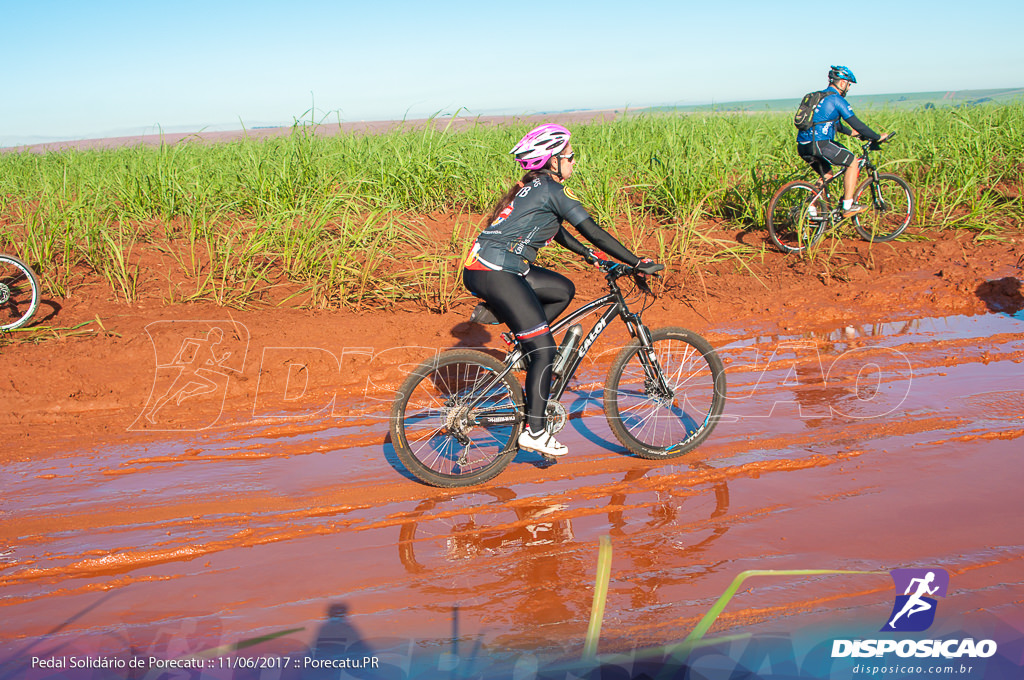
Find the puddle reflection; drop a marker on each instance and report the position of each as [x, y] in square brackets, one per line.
[476, 523]
[1005, 318]
[651, 511]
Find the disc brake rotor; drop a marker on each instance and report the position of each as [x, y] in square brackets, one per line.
[654, 392]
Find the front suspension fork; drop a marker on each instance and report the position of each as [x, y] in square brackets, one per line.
[648, 358]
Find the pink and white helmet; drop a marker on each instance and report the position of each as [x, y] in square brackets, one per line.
[541, 143]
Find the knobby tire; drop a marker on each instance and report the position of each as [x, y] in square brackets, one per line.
[890, 204]
[791, 226]
[428, 418]
[19, 293]
[655, 425]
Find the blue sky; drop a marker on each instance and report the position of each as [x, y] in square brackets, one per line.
[78, 70]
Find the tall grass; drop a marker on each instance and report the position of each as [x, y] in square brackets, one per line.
[328, 220]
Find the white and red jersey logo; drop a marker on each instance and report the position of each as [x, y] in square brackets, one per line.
[503, 215]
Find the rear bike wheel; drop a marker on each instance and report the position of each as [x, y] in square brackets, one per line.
[890, 203]
[19, 293]
[439, 437]
[794, 222]
[663, 402]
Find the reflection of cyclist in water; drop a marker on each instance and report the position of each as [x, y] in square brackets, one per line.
[915, 603]
[475, 546]
[466, 535]
[196, 360]
[659, 517]
[533, 540]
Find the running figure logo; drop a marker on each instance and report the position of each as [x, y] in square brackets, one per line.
[195, 362]
[914, 610]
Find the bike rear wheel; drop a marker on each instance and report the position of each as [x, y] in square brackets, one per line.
[652, 422]
[891, 207]
[794, 222]
[19, 293]
[439, 438]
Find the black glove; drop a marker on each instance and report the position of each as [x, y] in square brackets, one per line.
[649, 266]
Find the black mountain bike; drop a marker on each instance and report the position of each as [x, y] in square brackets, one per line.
[19, 293]
[456, 419]
[801, 212]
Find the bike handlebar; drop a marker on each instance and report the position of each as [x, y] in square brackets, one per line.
[875, 145]
[618, 269]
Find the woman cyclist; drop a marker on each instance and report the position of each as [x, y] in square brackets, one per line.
[527, 298]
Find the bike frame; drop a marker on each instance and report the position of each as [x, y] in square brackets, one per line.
[864, 161]
[614, 304]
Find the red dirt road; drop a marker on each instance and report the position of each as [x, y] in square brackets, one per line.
[874, 422]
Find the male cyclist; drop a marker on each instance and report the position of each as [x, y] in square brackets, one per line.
[817, 144]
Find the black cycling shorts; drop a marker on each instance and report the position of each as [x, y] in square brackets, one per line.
[527, 304]
[824, 154]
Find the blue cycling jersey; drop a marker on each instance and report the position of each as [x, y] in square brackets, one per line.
[831, 109]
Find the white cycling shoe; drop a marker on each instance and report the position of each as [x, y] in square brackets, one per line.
[543, 443]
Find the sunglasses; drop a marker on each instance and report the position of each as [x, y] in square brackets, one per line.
[571, 157]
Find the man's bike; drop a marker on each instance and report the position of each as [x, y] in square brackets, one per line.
[801, 212]
[19, 293]
[456, 419]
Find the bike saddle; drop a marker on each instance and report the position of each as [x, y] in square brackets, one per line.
[483, 314]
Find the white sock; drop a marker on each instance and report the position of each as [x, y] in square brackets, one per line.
[847, 202]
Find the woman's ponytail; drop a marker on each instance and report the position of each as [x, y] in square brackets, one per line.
[509, 195]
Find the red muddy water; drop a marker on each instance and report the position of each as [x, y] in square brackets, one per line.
[874, 422]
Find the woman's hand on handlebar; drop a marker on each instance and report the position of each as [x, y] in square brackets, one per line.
[645, 266]
[595, 257]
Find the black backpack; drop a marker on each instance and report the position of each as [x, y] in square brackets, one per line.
[804, 117]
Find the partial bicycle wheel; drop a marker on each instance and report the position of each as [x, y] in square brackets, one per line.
[19, 293]
[664, 402]
[890, 203]
[449, 528]
[477, 523]
[795, 220]
[454, 422]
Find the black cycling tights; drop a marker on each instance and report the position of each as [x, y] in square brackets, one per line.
[527, 304]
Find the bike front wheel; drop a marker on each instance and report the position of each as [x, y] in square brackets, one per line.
[454, 422]
[890, 202]
[796, 217]
[19, 293]
[664, 401]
